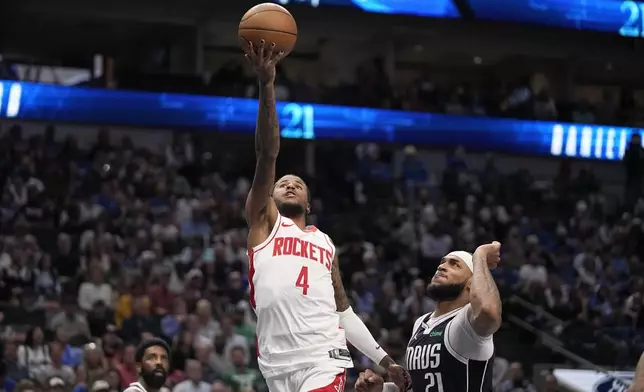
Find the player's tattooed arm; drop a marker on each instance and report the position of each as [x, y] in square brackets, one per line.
[484, 294]
[259, 204]
[341, 298]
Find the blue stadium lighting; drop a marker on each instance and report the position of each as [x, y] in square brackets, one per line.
[45, 102]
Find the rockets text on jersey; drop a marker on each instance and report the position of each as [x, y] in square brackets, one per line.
[435, 367]
[292, 293]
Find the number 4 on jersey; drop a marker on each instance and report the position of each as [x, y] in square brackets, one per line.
[303, 280]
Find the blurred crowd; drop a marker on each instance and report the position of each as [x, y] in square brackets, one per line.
[488, 92]
[102, 247]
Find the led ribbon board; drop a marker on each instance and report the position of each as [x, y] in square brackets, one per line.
[46, 102]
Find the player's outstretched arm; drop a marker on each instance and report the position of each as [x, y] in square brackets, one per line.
[260, 208]
[359, 336]
[484, 295]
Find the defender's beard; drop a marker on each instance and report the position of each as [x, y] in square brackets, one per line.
[290, 210]
[154, 378]
[445, 292]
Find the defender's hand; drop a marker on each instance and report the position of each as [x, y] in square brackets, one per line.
[399, 376]
[369, 382]
[491, 253]
[263, 60]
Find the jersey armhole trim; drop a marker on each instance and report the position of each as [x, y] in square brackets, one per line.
[270, 237]
[448, 345]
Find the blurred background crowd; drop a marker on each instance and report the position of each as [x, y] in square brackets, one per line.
[107, 238]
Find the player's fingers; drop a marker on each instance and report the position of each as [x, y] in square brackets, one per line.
[248, 59]
[249, 48]
[269, 52]
[262, 48]
[278, 57]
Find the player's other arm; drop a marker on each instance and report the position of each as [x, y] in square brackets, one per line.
[358, 334]
[485, 299]
[260, 208]
[638, 380]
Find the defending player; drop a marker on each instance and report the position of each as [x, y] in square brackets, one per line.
[153, 363]
[296, 289]
[452, 349]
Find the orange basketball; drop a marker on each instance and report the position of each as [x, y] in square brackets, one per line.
[271, 23]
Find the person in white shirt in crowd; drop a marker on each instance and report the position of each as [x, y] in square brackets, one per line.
[33, 355]
[534, 272]
[208, 326]
[194, 382]
[93, 290]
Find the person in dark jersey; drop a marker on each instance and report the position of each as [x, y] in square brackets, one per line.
[451, 349]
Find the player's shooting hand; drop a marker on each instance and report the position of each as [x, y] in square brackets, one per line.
[263, 60]
[369, 382]
[491, 253]
[399, 376]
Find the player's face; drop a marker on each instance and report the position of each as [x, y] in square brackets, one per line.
[450, 279]
[155, 366]
[290, 196]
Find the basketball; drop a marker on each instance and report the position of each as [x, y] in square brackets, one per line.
[271, 23]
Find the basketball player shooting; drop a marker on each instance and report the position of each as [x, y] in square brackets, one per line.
[303, 314]
[452, 349]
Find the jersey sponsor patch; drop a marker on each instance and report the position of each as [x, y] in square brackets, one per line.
[340, 353]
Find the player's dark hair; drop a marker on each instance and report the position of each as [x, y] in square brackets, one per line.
[154, 342]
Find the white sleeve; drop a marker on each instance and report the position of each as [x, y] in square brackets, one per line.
[462, 341]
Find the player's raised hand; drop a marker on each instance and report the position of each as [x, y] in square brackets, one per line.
[263, 59]
[491, 253]
[399, 376]
[369, 382]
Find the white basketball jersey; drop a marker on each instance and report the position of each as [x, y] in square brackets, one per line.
[292, 294]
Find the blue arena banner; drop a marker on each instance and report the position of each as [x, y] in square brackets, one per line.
[623, 17]
[434, 8]
[45, 102]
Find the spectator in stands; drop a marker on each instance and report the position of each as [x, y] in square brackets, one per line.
[208, 326]
[94, 289]
[241, 378]
[516, 381]
[126, 369]
[56, 369]
[70, 320]
[94, 363]
[203, 353]
[33, 355]
[55, 384]
[12, 368]
[7, 384]
[140, 322]
[220, 387]
[194, 383]
[114, 381]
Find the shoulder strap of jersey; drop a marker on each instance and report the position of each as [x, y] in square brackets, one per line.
[135, 387]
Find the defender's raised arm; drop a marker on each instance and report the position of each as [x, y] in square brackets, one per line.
[261, 211]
